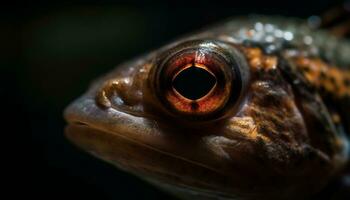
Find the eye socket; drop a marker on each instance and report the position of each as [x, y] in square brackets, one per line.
[198, 79]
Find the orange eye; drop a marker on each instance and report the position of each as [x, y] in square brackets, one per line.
[198, 81]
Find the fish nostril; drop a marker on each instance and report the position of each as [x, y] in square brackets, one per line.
[79, 123]
[194, 82]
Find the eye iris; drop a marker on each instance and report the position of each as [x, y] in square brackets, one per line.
[197, 80]
[194, 82]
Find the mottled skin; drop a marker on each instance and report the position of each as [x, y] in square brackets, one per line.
[283, 139]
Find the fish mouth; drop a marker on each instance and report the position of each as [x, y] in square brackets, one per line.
[159, 168]
[137, 145]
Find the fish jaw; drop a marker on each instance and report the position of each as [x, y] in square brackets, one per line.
[137, 145]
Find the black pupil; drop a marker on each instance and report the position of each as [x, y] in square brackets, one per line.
[194, 82]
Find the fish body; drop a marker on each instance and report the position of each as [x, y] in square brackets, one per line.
[253, 108]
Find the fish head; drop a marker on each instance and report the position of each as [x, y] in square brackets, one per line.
[205, 117]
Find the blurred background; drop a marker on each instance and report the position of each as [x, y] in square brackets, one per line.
[52, 51]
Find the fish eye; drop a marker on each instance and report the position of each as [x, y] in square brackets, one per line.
[198, 79]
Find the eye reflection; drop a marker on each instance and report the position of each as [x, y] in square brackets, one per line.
[194, 82]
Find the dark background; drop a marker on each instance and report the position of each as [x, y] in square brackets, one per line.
[51, 53]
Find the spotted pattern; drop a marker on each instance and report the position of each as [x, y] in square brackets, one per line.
[325, 77]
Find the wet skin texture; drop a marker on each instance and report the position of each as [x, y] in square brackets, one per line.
[272, 127]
